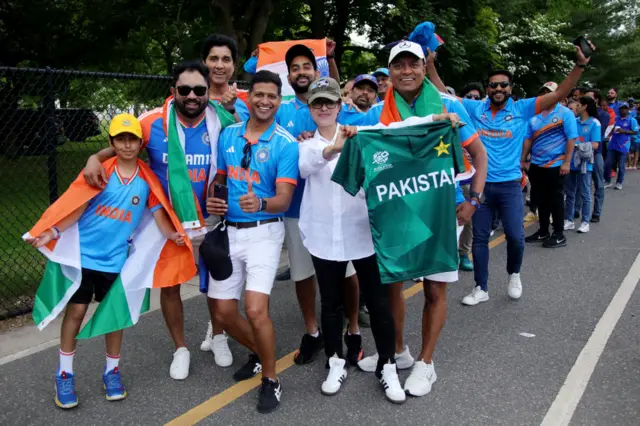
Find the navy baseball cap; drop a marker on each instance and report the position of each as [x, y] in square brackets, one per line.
[366, 79]
[381, 71]
[624, 105]
[299, 50]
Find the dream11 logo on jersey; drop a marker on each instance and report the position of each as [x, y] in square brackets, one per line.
[380, 158]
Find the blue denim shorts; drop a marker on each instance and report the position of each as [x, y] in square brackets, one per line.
[635, 147]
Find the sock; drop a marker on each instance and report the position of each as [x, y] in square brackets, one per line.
[316, 334]
[112, 362]
[66, 362]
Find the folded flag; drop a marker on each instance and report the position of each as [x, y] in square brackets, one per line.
[153, 261]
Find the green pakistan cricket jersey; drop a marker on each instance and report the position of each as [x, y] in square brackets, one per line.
[408, 175]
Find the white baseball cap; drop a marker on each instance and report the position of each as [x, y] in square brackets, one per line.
[406, 46]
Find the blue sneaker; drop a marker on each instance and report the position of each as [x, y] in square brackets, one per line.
[113, 385]
[465, 263]
[66, 391]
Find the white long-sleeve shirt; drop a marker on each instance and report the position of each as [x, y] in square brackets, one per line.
[333, 224]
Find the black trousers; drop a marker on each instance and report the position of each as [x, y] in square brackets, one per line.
[548, 187]
[330, 274]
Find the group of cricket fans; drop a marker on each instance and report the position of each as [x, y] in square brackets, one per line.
[366, 191]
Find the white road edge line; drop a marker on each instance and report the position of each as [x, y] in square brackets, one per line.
[564, 405]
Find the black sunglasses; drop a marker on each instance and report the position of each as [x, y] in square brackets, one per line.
[502, 84]
[185, 90]
[246, 160]
[476, 97]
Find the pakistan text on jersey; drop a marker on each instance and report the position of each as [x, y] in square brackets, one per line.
[415, 184]
[191, 159]
[114, 213]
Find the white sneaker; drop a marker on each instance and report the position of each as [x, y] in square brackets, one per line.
[337, 375]
[515, 286]
[569, 225]
[206, 343]
[404, 361]
[476, 296]
[618, 186]
[584, 228]
[391, 384]
[422, 377]
[180, 366]
[221, 352]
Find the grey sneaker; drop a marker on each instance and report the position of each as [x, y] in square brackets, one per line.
[618, 186]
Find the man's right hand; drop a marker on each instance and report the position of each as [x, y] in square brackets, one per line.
[94, 173]
[304, 136]
[216, 206]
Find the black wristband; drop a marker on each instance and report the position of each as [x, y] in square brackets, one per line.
[231, 111]
[331, 56]
[583, 66]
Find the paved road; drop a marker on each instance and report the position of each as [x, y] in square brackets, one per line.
[488, 373]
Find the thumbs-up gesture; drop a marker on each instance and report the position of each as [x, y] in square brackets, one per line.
[250, 203]
[228, 100]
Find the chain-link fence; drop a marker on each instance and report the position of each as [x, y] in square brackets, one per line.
[50, 122]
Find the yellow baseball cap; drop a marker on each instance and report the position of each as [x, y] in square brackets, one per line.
[125, 123]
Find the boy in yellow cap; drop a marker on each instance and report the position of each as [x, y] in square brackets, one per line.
[101, 226]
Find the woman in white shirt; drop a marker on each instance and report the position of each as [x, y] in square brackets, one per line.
[335, 229]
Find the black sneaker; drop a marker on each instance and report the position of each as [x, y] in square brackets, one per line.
[363, 317]
[576, 215]
[354, 348]
[269, 398]
[249, 370]
[537, 237]
[309, 348]
[595, 219]
[555, 241]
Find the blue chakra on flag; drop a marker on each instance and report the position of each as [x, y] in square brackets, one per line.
[205, 138]
[262, 155]
[135, 200]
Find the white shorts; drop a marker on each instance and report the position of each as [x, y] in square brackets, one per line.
[446, 277]
[300, 261]
[255, 255]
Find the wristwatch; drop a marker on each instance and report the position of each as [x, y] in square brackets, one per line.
[476, 195]
[231, 110]
[581, 65]
[263, 204]
[474, 203]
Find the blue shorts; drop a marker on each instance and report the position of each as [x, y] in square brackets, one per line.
[635, 147]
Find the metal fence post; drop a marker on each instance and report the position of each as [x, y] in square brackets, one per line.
[49, 107]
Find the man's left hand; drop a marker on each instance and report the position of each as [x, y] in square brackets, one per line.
[331, 47]
[565, 169]
[464, 211]
[249, 203]
[228, 100]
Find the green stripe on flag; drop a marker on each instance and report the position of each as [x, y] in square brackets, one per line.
[51, 292]
[113, 313]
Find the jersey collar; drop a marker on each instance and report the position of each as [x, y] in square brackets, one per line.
[186, 126]
[126, 181]
[265, 137]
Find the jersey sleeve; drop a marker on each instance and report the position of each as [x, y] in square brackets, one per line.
[153, 203]
[528, 107]
[470, 105]
[242, 110]
[146, 121]
[634, 124]
[288, 164]
[349, 172]
[221, 164]
[596, 132]
[468, 132]
[350, 116]
[529, 133]
[570, 125]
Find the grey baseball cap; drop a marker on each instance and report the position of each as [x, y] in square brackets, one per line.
[324, 88]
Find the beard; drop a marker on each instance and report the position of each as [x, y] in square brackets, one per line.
[181, 106]
[362, 103]
[498, 103]
[301, 89]
[610, 97]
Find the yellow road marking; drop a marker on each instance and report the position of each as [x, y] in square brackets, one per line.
[226, 397]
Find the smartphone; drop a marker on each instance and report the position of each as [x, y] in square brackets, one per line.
[221, 192]
[584, 45]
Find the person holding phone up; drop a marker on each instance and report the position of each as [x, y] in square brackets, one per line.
[258, 162]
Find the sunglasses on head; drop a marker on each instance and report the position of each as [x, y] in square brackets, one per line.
[502, 84]
[186, 90]
[470, 96]
[246, 160]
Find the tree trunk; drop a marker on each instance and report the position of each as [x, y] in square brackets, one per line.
[339, 28]
[317, 18]
[258, 26]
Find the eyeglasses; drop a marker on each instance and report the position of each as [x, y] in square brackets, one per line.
[246, 160]
[502, 84]
[470, 96]
[186, 90]
[329, 105]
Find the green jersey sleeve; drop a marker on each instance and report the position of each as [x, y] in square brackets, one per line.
[349, 172]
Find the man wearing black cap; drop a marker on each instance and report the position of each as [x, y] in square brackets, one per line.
[364, 92]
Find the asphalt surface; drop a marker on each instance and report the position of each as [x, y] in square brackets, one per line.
[488, 373]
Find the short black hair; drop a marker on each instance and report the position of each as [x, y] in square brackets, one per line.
[614, 88]
[472, 86]
[192, 66]
[592, 107]
[265, 76]
[216, 40]
[507, 73]
[596, 94]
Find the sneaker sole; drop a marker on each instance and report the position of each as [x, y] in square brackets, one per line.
[475, 304]
[360, 357]
[65, 406]
[268, 410]
[297, 359]
[556, 245]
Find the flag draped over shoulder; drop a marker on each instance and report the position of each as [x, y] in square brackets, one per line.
[183, 199]
[153, 261]
[271, 57]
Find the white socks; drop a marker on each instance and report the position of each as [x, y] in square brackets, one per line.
[66, 362]
[112, 362]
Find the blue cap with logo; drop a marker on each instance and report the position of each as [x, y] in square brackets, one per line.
[381, 71]
[366, 79]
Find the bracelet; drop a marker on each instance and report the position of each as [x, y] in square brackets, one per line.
[331, 56]
[56, 232]
[260, 206]
[474, 203]
[583, 66]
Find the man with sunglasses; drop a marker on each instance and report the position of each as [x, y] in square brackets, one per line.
[472, 91]
[258, 161]
[191, 98]
[502, 125]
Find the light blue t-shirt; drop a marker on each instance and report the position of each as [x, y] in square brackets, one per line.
[110, 219]
[588, 132]
[549, 135]
[274, 159]
[502, 134]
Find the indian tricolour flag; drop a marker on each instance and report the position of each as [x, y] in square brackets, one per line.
[271, 57]
[153, 262]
